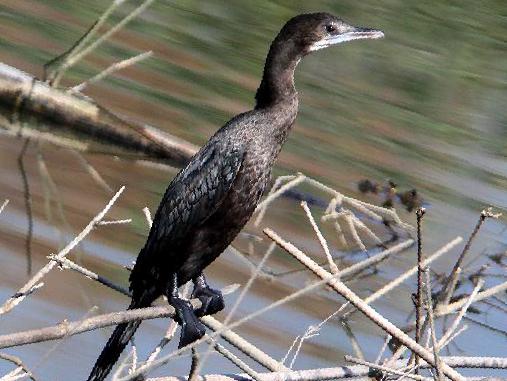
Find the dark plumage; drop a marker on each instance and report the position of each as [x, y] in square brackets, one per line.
[208, 202]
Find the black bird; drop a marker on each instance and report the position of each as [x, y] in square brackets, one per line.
[212, 198]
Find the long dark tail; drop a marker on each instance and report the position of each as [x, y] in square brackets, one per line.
[117, 342]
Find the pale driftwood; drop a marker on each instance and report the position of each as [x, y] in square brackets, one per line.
[23, 97]
[347, 371]
[373, 315]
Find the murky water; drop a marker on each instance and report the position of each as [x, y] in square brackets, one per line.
[424, 107]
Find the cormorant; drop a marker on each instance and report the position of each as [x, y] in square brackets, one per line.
[212, 198]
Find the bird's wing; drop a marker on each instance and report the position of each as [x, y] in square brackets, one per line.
[195, 193]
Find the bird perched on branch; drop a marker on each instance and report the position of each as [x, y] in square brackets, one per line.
[212, 198]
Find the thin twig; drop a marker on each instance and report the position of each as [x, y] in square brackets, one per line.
[56, 75]
[322, 240]
[447, 291]
[15, 300]
[461, 314]
[385, 368]
[95, 175]
[237, 361]
[449, 308]
[17, 361]
[193, 373]
[2, 207]
[68, 264]
[112, 69]
[407, 274]
[431, 321]
[353, 339]
[419, 302]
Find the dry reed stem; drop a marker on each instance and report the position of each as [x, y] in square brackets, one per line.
[431, 321]
[115, 222]
[2, 207]
[383, 349]
[353, 232]
[19, 364]
[237, 361]
[461, 314]
[332, 265]
[339, 234]
[113, 69]
[441, 310]
[21, 294]
[367, 231]
[373, 315]
[385, 368]
[351, 371]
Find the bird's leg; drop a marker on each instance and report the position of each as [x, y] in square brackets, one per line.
[212, 300]
[191, 328]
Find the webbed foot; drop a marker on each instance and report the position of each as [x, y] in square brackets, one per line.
[191, 328]
[212, 300]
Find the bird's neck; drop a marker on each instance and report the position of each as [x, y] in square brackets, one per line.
[278, 79]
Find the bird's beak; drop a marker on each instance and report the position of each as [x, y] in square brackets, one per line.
[354, 33]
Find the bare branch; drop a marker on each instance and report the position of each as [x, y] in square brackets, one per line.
[15, 300]
[373, 315]
[322, 240]
[17, 361]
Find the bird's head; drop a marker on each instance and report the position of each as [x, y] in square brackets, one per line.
[314, 31]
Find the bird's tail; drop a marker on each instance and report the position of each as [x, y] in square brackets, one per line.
[117, 342]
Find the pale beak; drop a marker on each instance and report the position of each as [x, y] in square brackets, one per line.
[355, 33]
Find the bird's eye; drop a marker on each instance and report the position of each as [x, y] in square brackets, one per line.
[330, 28]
